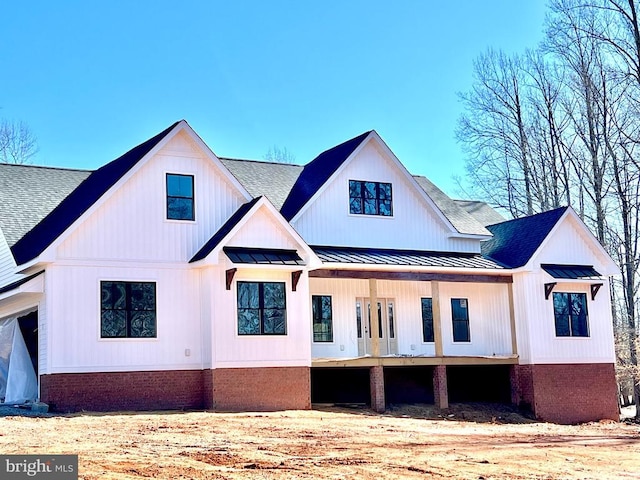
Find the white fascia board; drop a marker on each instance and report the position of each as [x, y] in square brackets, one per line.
[33, 286]
[470, 236]
[611, 269]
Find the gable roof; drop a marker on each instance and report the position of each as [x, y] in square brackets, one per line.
[80, 200]
[316, 173]
[224, 230]
[29, 193]
[514, 242]
[481, 211]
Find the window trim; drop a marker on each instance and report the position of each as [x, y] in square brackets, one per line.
[586, 305]
[370, 215]
[467, 320]
[260, 308]
[313, 335]
[99, 303]
[167, 196]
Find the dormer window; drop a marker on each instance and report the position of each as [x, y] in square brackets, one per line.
[180, 199]
[370, 198]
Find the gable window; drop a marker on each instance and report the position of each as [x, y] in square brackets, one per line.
[128, 309]
[427, 320]
[322, 318]
[570, 312]
[460, 316]
[370, 198]
[180, 200]
[262, 308]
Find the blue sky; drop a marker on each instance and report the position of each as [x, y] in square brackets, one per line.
[94, 79]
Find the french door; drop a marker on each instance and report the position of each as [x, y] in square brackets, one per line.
[386, 326]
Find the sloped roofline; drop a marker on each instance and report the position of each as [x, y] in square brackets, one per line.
[95, 188]
[612, 269]
[239, 219]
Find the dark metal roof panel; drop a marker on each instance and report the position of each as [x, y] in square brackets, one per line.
[573, 272]
[263, 256]
[377, 256]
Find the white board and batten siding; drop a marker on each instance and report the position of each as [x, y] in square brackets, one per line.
[537, 340]
[488, 317]
[74, 321]
[414, 225]
[131, 225]
[7, 264]
[231, 350]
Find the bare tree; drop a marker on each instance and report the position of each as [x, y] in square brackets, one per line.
[279, 155]
[17, 142]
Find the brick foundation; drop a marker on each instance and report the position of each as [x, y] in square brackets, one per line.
[154, 390]
[262, 389]
[440, 390]
[569, 393]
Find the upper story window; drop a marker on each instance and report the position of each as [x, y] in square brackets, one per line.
[322, 318]
[570, 311]
[370, 198]
[180, 199]
[127, 309]
[460, 316]
[262, 308]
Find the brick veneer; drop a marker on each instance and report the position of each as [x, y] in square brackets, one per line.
[376, 387]
[569, 393]
[153, 390]
[262, 389]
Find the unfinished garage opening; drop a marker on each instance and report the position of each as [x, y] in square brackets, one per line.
[408, 385]
[29, 329]
[18, 358]
[340, 385]
[479, 383]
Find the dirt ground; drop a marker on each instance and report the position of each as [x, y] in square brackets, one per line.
[330, 443]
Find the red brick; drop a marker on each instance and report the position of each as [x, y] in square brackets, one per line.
[376, 384]
[569, 393]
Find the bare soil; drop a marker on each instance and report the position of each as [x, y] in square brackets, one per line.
[410, 442]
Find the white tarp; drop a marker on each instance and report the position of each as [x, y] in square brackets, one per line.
[18, 382]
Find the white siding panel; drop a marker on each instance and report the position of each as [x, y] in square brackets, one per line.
[414, 224]
[233, 350]
[261, 230]
[545, 346]
[132, 225]
[74, 321]
[7, 264]
[489, 316]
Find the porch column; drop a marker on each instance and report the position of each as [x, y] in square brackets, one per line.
[512, 320]
[375, 321]
[437, 323]
[440, 392]
[376, 381]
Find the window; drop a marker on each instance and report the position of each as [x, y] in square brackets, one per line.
[427, 320]
[180, 203]
[460, 315]
[570, 311]
[322, 318]
[370, 198]
[128, 309]
[261, 308]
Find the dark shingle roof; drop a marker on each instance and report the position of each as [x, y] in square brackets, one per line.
[514, 242]
[316, 173]
[417, 258]
[80, 200]
[224, 230]
[459, 218]
[273, 180]
[29, 193]
[481, 211]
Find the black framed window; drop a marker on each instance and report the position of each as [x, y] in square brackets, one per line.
[370, 198]
[571, 316]
[460, 316]
[262, 308]
[180, 199]
[427, 320]
[322, 318]
[128, 309]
